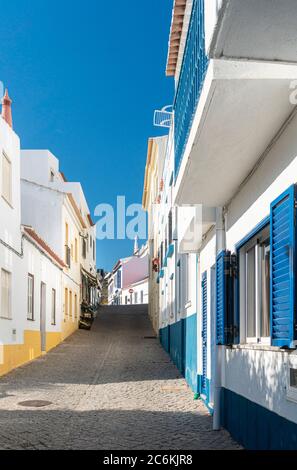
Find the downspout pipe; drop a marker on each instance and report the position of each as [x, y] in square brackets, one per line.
[220, 246]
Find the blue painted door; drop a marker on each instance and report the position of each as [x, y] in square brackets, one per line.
[204, 335]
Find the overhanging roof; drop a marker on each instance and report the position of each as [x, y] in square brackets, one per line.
[176, 29]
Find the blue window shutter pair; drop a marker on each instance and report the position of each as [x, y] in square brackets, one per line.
[227, 331]
[204, 331]
[221, 303]
[282, 269]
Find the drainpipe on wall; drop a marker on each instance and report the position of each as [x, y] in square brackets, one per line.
[220, 245]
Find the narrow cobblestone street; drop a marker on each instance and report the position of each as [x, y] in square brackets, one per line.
[109, 388]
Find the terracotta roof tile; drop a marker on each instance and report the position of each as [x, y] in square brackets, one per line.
[44, 246]
[178, 15]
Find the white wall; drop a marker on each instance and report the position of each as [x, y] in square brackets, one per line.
[134, 270]
[36, 165]
[45, 271]
[42, 209]
[10, 214]
[259, 373]
[261, 376]
[211, 13]
[137, 288]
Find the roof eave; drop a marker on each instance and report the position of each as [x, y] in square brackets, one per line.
[176, 29]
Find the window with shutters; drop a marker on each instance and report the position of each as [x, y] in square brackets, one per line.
[254, 279]
[5, 294]
[30, 312]
[6, 179]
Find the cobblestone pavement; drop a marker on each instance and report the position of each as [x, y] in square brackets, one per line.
[110, 388]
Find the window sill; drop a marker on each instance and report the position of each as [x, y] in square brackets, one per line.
[188, 304]
[260, 347]
[5, 318]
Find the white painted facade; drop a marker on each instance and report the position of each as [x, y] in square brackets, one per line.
[68, 226]
[128, 273]
[136, 293]
[20, 255]
[240, 154]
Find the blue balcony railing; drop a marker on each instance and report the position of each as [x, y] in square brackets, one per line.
[191, 80]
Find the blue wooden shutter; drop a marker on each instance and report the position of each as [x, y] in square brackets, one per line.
[282, 269]
[221, 299]
[227, 325]
[204, 332]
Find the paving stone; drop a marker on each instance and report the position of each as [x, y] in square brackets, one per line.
[110, 389]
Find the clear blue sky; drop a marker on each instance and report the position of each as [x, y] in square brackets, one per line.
[85, 77]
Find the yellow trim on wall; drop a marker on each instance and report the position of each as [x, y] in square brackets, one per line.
[16, 355]
[52, 340]
[70, 325]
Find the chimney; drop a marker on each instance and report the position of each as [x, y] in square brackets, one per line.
[6, 109]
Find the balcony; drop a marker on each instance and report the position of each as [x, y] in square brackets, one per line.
[191, 79]
[252, 29]
[227, 113]
[193, 223]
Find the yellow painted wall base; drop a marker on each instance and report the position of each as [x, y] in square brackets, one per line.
[69, 327]
[52, 340]
[15, 355]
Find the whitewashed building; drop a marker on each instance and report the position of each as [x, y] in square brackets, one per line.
[151, 202]
[128, 281]
[229, 319]
[30, 270]
[62, 217]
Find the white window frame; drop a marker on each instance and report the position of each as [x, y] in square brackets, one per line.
[291, 391]
[7, 198]
[8, 316]
[255, 242]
